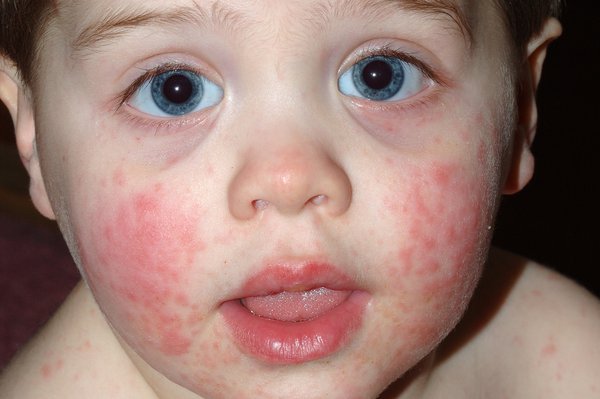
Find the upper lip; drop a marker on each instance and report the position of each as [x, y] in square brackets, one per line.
[275, 277]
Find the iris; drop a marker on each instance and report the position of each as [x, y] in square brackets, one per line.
[177, 92]
[378, 78]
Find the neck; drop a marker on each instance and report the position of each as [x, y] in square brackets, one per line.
[158, 386]
[413, 384]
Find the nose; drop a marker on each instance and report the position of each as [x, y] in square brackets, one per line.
[288, 179]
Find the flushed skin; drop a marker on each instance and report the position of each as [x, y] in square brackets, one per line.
[174, 233]
[168, 221]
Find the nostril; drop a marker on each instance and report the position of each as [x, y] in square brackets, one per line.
[318, 199]
[260, 204]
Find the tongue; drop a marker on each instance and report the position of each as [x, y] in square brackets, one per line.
[295, 306]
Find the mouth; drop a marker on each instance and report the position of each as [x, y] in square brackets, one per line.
[289, 314]
[295, 305]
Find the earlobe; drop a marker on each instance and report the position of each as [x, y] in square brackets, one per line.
[522, 161]
[19, 105]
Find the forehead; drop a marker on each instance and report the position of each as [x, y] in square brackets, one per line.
[337, 7]
[90, 23]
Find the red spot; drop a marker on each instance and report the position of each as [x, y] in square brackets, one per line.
[48, 369]
[549, 349]
[86, 346]
[407, 258]
[430, 267]
[174, 343]
[558, 376]
[450, 235]
[441, 176]
[119, 177]
[429, 243]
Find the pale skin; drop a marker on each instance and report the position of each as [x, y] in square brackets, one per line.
[168, 218]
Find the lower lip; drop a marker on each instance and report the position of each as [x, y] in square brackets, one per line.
[282, 342]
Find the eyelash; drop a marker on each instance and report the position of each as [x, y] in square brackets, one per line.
[177, 123]
[151, 74]
[388, 51]
[156, 123]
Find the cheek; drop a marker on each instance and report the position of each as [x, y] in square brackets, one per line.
[139, 256]
[441, 217]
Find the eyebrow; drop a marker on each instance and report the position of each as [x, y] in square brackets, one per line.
[119, 22]
[443, 8]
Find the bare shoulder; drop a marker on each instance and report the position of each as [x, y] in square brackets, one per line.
[557, 328]
[532, 332]
[558, 313]
[74, 356]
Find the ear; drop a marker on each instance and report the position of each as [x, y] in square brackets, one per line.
[521, 165]
[15, 95]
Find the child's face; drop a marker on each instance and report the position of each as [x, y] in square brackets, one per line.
[291, 165]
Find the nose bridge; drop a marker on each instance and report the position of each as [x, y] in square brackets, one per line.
[288, 174]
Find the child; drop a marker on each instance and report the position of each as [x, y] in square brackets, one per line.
[289, 199]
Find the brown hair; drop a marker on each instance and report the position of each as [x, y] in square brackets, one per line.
[22, 22]
[525, 18]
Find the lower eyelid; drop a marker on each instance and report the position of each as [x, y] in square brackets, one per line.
[147, 122]
[423, 100]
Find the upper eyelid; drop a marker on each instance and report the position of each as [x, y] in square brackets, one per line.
[370, 51]
[389, 50]
[403, 56]
[151, 73]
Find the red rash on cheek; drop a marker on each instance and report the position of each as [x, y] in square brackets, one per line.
[444, 211]
[441, 217]
[142, 253]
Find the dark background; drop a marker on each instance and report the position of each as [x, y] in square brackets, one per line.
[554, 220]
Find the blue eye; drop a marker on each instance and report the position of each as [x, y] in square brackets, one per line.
[175, 93]
[382, 78]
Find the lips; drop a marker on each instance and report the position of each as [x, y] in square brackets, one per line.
[290, 314]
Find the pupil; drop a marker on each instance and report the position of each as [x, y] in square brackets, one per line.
[177, 89]
[377, 74]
